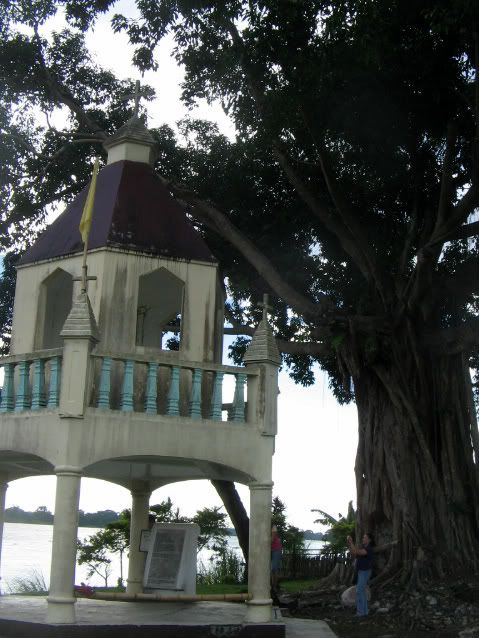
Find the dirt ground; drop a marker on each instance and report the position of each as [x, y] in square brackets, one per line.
[438, 610]
[345, 624]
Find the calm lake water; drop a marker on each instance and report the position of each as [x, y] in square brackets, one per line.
[27, 550]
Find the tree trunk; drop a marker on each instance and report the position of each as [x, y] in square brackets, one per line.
[416, 470]
[236, 511]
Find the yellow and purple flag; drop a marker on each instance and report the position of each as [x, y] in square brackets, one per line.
[85, 221]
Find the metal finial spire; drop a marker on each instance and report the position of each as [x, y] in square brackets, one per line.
[265, 306]
[136, 95]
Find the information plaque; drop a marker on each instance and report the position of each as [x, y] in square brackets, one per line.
[171, 559]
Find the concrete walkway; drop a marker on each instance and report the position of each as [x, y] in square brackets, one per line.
[26, 616]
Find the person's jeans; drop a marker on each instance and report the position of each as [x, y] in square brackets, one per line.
[361, 593]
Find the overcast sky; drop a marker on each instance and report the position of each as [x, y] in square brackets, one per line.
[316, 444]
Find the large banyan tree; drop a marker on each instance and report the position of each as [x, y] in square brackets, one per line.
[350, 195]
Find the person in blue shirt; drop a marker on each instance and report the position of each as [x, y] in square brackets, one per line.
[364, 565]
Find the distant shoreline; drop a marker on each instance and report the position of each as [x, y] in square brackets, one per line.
[97, 520]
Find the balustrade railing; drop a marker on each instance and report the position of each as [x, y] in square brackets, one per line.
[173, 388]
[131, 384]
[31, 381]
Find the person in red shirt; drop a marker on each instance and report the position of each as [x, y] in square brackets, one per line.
[276, 551]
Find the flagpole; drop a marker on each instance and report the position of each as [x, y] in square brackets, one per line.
[85, 224]
[84, 268]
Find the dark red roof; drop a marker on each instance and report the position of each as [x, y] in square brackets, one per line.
[133, 210]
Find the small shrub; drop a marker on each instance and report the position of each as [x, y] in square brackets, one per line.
[226, 567]
[33, 583]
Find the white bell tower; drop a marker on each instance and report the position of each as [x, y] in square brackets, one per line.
[124, 382]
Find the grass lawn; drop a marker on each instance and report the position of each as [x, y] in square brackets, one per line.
[294, 586]
[291, 586]
[221, 589]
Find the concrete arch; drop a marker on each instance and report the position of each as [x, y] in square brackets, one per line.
[15, 464]
[159, 308]
[154, 472]
[54, 304]
[238, 448]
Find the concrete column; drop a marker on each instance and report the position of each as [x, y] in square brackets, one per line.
[3, 491]
[259, 563]
[140, 506]
[65, 526]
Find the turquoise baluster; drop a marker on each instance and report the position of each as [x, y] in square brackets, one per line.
[127, 389]
[151, 389]
[195, 403]
[54, 389]
[105, 384]
[39, 399]
[217, 399]
[173, 399]
[23, 401]
[238, 400]
[7, 391]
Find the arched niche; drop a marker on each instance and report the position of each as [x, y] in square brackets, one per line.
[55, 303]
[159, 309]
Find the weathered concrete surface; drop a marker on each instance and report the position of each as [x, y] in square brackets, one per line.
[25, 617]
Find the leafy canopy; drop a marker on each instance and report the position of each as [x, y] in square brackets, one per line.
[354, 170]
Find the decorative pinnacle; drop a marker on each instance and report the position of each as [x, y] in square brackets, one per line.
[262, 347]
[81, 322]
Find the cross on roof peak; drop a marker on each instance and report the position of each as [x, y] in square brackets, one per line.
[136, 95]
[264, 305]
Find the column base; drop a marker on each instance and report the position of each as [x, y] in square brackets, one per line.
[259, 610]
[134, 586]
[61, 610]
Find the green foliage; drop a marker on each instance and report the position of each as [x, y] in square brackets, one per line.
[29, 585]
[96, 550]
[166, 512]
[213, 530]
[292, 538]
[296, 586]
[225, 568]
[336, 536]
[353, 174]
[93, 553]
[42, 515]
[96, 519]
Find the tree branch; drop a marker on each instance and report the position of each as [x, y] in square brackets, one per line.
[312, 348]
[63, 95]
[463, 338]
[365, 254]
[448, 221]
[71, 190]
[346, 230]
[212, 217]
[322, 213]
[445, 196]
[460, 213]
[463, 232]
[65, 147]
